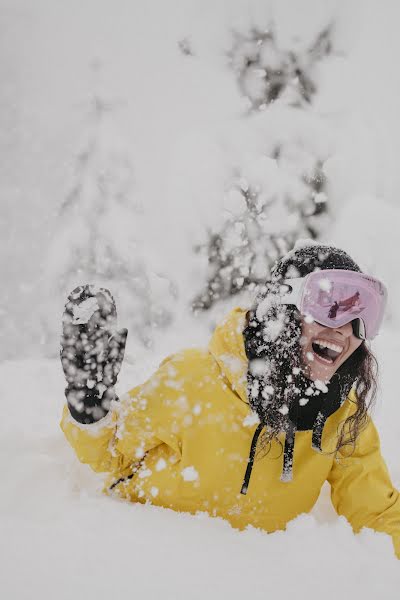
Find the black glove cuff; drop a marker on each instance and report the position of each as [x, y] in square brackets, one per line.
[86, 405]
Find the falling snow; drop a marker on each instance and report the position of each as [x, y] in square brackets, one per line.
[189, 474]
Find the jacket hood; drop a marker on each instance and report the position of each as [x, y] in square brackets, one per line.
[227, 347]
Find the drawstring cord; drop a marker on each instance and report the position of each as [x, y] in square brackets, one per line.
[331, 404]
[250, 462]
[135, 469]
[287, 456]
[287, 470]
[317, 431]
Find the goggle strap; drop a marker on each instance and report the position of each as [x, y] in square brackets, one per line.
[359, 328]
[293, 295]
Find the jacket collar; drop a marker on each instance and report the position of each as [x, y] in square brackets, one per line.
[227, 347]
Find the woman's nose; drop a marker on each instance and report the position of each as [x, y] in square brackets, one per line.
[345, 330]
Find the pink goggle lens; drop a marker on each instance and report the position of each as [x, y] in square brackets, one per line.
[336, 297]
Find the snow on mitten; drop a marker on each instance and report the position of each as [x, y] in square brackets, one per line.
[91, 352]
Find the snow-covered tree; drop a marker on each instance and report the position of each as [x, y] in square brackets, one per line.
[266, 72]
[100, 235]
[278, 193]
[271, 202]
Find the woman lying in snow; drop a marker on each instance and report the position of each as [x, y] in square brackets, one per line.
[250, 428]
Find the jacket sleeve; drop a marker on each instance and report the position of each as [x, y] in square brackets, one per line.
[361, 488]
[145, 417]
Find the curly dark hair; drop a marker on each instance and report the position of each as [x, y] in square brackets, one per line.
[277, 383]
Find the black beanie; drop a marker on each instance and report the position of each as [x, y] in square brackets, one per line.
[307, 257]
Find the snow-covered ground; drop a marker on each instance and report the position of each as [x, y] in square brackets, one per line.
[60, 537]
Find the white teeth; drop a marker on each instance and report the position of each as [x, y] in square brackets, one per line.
[328, 361]
[329, 345]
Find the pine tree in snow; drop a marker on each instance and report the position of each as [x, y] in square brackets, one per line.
[100, 235]
[279, 195]
[270, 204]
[266, 73]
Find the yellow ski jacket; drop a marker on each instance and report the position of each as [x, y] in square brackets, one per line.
[181, 440]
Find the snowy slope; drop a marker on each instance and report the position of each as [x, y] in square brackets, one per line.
[60, 537]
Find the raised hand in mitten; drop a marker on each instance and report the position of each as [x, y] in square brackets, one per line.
[91, 352]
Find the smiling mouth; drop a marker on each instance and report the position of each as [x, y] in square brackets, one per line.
[326, 352]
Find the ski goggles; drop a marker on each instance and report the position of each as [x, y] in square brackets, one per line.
[335, 297]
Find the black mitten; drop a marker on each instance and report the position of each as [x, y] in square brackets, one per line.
[91, 352]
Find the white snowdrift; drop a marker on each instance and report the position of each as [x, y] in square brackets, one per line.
[60, 537]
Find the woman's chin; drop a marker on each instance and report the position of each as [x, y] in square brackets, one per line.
[319, 376]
